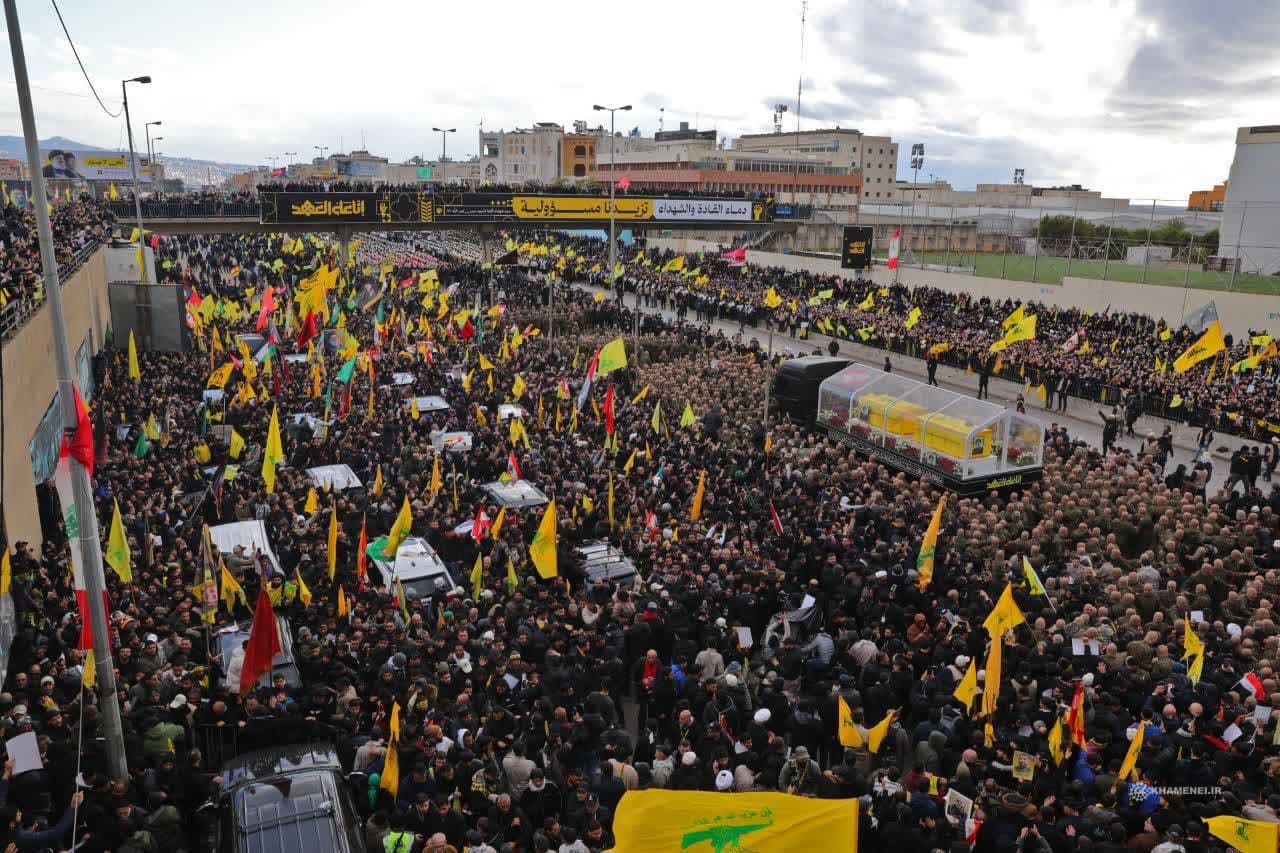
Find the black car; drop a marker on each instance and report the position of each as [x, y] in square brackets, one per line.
[286, 799]
[795, 385]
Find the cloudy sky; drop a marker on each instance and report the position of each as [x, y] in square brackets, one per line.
[1137, 98]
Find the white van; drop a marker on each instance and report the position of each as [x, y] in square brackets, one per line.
[419, 568]
[252, 535]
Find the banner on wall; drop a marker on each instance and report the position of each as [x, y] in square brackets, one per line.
[81, 165]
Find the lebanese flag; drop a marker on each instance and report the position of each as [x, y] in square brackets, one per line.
[894, 244]
[1252, 683]
[608, 410]
[513, 466]
[624, 183]
[308, 330]
[777, 522]
[480, 526]
[264, 643]
[651, 526]
[66, 496]
[268, 305]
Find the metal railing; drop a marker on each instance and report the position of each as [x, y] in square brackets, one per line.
[159, 209]
[14, 315]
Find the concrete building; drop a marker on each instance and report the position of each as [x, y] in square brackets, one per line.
[359, 165]
[1208, 199]
[808, 179]
[516, 156]
[579, 154]
[874, 157]
[417, 170]
[942, 194]
[1251, 209]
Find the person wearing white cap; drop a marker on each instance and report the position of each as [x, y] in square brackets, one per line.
[724, 780]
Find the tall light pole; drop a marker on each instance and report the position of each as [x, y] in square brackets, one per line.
[917, 163]
[89, 546]
[273, 158]
[290, 155]
[133, 166]
[613, 165]
[444, 139]
[321, 149]
[146, 128]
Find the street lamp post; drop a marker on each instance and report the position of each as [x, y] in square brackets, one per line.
[321, 149]
[917, 163]
[90, 549]
[444, 139]
[146, 128]
[613, 165]
[290, 155]
[133, 167]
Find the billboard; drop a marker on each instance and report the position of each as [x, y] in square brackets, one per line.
[448, 207]
[855, 247]
[80, 165]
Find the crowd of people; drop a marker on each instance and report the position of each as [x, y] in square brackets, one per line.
[78, 225]
[528, 710]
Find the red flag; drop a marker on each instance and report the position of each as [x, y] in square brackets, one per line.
[264, 643]
[268, 305]
[738, 254]
[155, 241]
[308, 330]
[468, 330]
[623, 183]
[362, 565]
[513, 466]
[345, 405]
[81, 444]
[608, 410]
[1251, 683]
[894, 243]
[777, 522]
[1075, 717]
[651, 526]
[480, 526]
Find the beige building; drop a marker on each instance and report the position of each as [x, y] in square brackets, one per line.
[875, 157]
[524, 154]
[941, 194]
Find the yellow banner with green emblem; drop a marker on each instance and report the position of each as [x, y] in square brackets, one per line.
[657, 821]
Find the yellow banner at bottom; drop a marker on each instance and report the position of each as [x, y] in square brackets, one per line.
[657, 821]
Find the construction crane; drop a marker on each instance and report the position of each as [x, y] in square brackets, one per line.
[778, 110]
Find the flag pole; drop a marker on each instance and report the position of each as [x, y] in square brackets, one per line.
[90, 547]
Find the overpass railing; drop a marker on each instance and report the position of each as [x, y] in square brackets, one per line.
[159, 209]
[15, 313]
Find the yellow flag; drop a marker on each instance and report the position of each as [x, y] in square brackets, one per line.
[273, 453]
[1016, 317]
[6, 573]
[913, 317]
[89, 677]
[1033, 579]
[542, 550]
[1208, 345]
[466, 381]
[1023, 330]
[117, 555]
[304, 592]
[1004, 615]
[929, 548]
[313, 502]
[1247, 836]
[496, 528]
[695, 512]
[967, 690]
[613, 356]
[413, 408]
[231, 589]
[434, 487]
[390, 781]
[849, 733]
[399, 530]
[644, 392]
[333, 542]
[1193, 648]
[343, 609]
[477, 578]
[202, 453]
[518, 387]
[877, 734]
[711, 822]
[485, 364]
[1129, 769]
[219, 377]
[236, 444]
[611, 522]
[1056, 740]
[135, 373]
[626, 469]
[688, 418]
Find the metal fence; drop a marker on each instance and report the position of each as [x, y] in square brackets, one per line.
[126, 213]
[15, 313]
[1149, 241]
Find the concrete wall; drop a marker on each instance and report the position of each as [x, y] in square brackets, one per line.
[30, 382]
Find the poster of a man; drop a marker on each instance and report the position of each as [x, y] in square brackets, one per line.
[61, 164]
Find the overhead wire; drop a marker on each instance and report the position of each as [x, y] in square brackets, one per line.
[76, 53]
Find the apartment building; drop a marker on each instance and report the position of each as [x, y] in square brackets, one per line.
[874, 157]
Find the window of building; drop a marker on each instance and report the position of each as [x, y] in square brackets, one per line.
[515, 169]
[579, 151]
